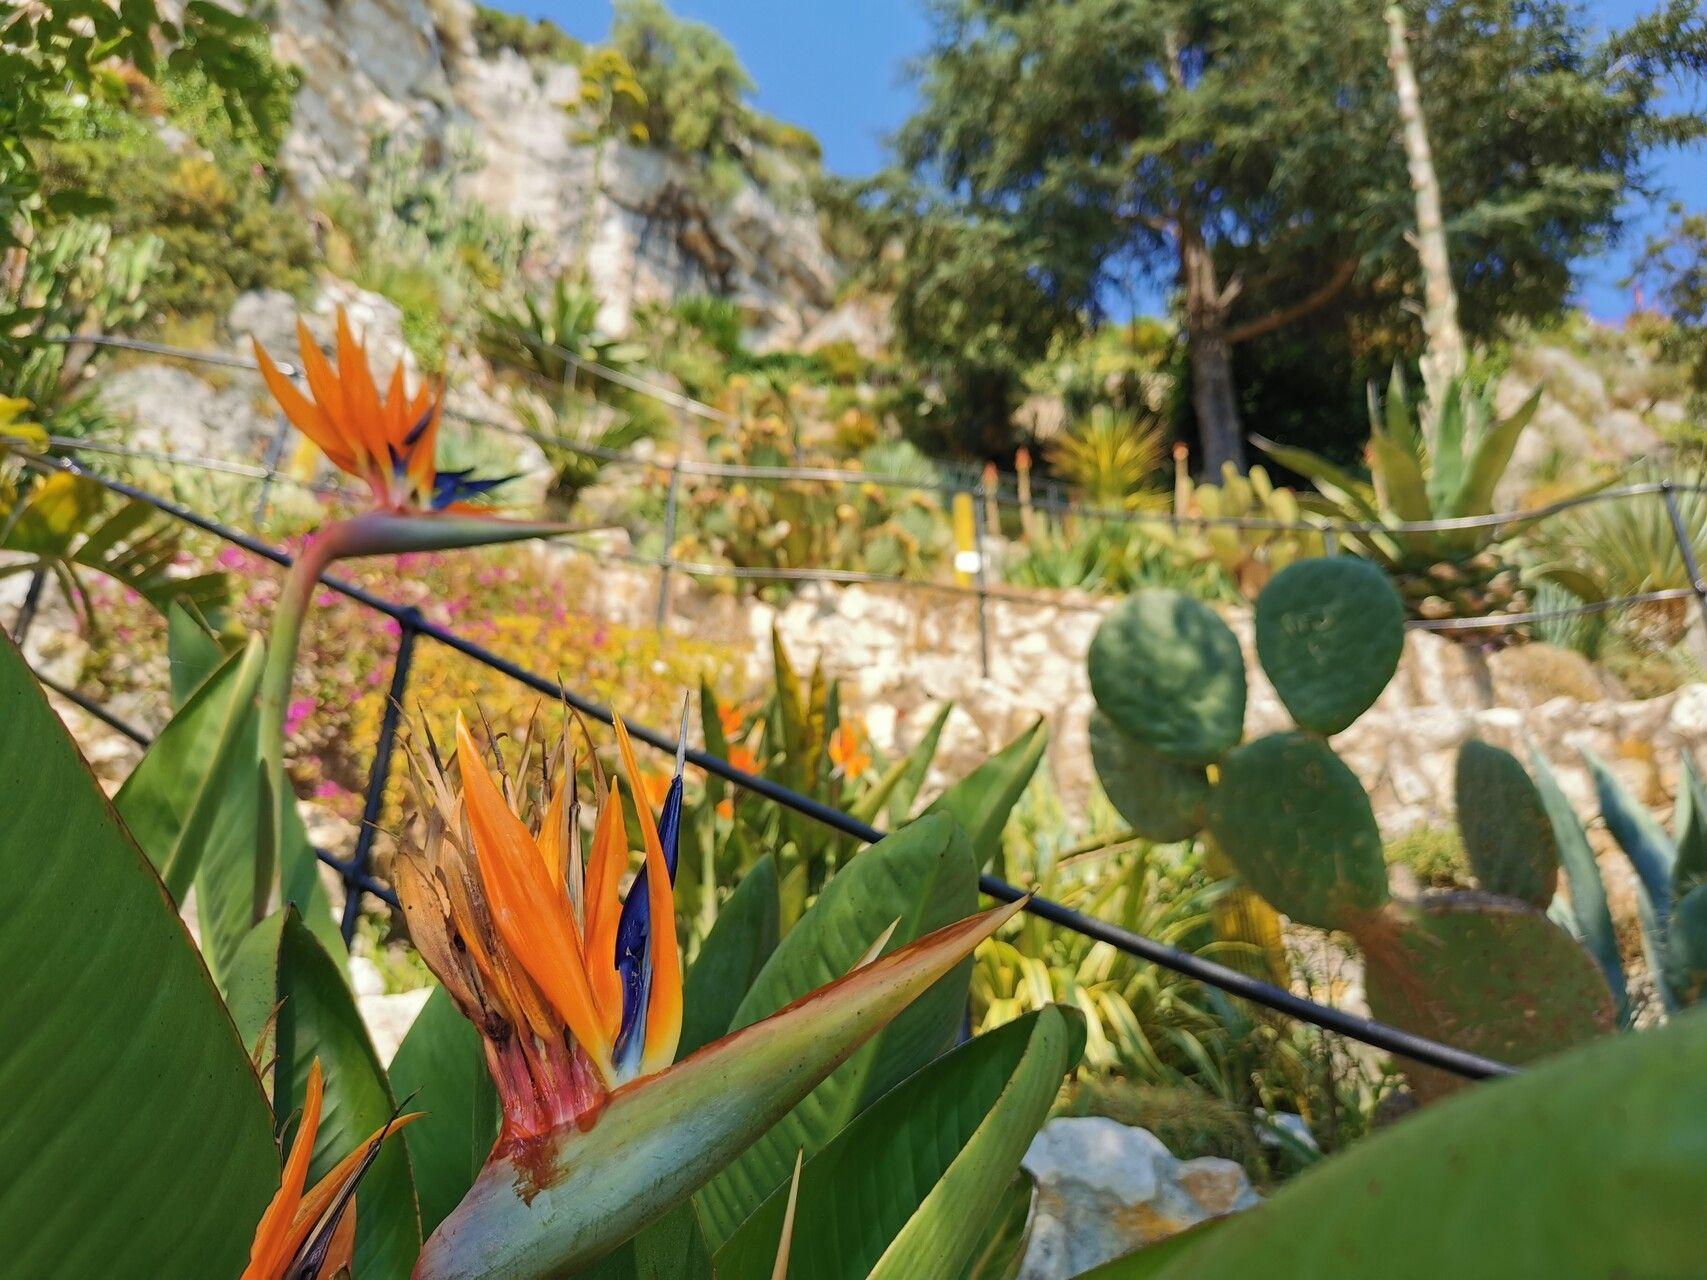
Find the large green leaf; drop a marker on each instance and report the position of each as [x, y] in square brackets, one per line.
[1490, 455]
[1584, 911]
[136, 1140]
[1589, 1166]
[1654, 858]
[1690, 870]
[672, 1248]
[172, 800]
[192, 654]
[317, 1018]
[555, 1204]
[441, 1070]
[909, 1187]
[918, 879]
[982, 800]
[732, 956]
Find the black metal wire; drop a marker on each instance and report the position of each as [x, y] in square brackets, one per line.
[1377, 1034]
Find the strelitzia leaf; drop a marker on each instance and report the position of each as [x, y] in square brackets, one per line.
[562, 1201]
[982, 800]
[172, 798]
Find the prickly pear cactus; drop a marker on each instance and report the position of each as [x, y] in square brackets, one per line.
[1485, 974]
[1297, 824]
[1162, 800]
[1169, 673]
[1329, 633]
[1507, 834]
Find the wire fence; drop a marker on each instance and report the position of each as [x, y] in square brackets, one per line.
[357, 870]
[679, 473]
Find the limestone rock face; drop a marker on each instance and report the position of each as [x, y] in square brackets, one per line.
[651, 231]
[1104, 1189]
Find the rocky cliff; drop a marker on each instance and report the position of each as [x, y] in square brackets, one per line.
[412, 68]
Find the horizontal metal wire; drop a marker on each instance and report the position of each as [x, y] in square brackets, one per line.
[1367, 1030]
[248, 471]
[1118, 515]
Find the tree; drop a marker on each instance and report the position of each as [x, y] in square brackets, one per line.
[1248, 154]
[1674, 264]
[53, 50]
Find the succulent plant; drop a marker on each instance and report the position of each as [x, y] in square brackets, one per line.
[1250, 557]
[1445, 470]
[1485, 971]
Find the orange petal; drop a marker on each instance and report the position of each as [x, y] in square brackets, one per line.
[303, 413]
[606, 862]
[329, 394]
[272, 1248]
[536, 926]
[361, 396]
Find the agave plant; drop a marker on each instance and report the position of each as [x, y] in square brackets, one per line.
[1444, 467]
[547, 333]
[1109, 458]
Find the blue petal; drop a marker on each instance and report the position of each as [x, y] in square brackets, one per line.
[634, 927]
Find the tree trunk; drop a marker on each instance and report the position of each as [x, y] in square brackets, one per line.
[1444, 358]
[1213, 399]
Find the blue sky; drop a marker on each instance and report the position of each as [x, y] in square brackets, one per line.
[835, 67]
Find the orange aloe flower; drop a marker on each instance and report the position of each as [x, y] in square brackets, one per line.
[848, 748]
[574, 988]
[388, 442]
[310, 1234]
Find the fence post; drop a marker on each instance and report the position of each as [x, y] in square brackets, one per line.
[1668, 491]
[27, 610]
[275, 455]
[980, 535]
[668, 558]
[357, 870]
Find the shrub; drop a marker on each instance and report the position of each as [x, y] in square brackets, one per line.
[537, 40]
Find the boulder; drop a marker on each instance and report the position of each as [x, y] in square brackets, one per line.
[1104, 1189]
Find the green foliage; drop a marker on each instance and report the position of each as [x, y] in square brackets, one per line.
[1110, 459]
[1168, 672]
[1298, 826]
[1435, 855]
[1445, 466]
[1250, 557]
[1080, 552]
[51, 55]
[102, 1167]
[536, 39]
[1329, 634]
[1536, 1175]
[1508, 837]
[73, 277]
[888, 1196]
[1674, 264]
[796, 523]
[1669, 873]
[1607, 550]
[218, 229]
[413, 234]
[70, 526]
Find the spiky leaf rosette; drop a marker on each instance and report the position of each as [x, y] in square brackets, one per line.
[1485, 974]
[1166, 670]
[1329, 632]
[1297, 824]
[1508, 836]
[1162, 800]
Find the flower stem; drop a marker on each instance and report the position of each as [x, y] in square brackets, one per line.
[294, 599]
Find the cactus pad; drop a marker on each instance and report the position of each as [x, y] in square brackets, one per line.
[1485, 974]
[1295, 822]
[1507, 834]
[1169, 673]
[1329, 633]
[1162, 800]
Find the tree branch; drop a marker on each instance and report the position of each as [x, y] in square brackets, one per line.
[1282, 316]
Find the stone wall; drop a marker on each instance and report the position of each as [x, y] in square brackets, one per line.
[902, 654]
